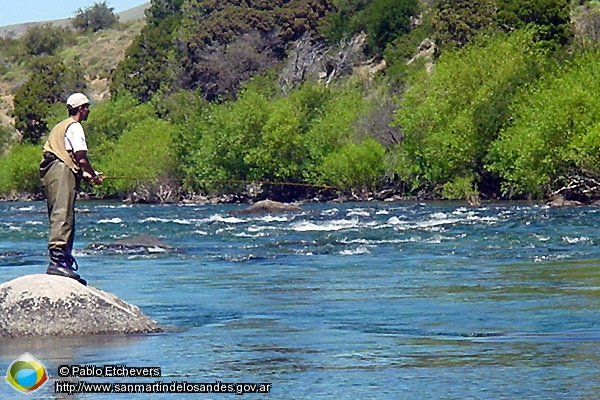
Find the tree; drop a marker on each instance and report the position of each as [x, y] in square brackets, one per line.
[148, 64]
[382, 21]
[342, 22]
[451, 117]
[553, 141]
[222, 69]
[50, 82]
[456, 22]
[94, 18]
[386, 20]
[44, 39]
[550, 17]
[213, 30]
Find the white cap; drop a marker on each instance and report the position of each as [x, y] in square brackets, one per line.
[77, 99]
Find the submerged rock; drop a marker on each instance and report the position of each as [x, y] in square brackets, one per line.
[560, 201]
[49, 305]
[141, 243]
[267, 207]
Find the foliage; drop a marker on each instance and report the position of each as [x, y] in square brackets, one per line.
[387, 20]
[50, 82]
[211, 45]
[223, 139]
[148, 66]
[45, 40]
[354, 166]
[94, 18]
[456, 22]
[5, 138]
[202, 78]
[555, 132]
[382, 20]
[19, 170]
[261, 138]
[11, 50]
[551, 18]
[451, 117]
[222, 68]
[400, 51]
[343, 22]
[142, 154]
[459, 188]
[108, 120]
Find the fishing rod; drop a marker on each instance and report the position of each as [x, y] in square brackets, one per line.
[141, 178]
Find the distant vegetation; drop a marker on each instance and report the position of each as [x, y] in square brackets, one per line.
[436, 99]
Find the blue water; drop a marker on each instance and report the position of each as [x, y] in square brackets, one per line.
[347, 301]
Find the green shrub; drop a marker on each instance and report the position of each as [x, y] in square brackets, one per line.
[354, 166]
[142, 154]
[19, 170]
[459, 188]
[110, 119]
[451, 116]
[218, 159]
[554, 133]
[96, 17]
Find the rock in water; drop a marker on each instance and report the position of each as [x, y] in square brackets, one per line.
[49, 305]
[142, 243]
[267, 207]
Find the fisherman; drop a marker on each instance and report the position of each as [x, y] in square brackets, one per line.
[63, 165]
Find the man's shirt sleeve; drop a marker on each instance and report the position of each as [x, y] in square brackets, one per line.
[75, 138]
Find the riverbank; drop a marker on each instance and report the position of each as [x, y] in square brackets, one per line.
[387, 195]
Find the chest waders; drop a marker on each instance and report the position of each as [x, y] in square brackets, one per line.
[60, 185]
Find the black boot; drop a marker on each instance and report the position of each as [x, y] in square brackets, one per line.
[62, 265]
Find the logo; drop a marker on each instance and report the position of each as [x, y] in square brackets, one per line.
[26, 374]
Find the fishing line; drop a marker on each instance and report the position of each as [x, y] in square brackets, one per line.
[140, 178]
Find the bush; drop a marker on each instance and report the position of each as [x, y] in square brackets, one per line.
[109, 120]
[94, 18]
[555, 132]
[354, 166]
[142, 155]
[260, 137]
[45, 39]
[50, 82]
[224, 137]
[451, 116]
[459, 188]
[19, 170]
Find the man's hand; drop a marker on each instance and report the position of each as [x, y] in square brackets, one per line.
[96, 179]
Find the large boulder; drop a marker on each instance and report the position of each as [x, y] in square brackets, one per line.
[267, 207]
[49, 305]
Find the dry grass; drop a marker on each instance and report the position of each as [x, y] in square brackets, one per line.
[99, 53]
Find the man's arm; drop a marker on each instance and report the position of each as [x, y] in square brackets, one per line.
[89, 172]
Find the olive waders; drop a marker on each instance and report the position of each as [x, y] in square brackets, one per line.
[61, 185]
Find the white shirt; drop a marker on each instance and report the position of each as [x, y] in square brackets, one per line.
[75, 138]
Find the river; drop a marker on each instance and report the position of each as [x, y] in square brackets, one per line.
[381, 300]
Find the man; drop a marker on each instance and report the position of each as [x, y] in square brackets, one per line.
[64, 164]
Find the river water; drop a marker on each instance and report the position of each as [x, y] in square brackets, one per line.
[347, 301]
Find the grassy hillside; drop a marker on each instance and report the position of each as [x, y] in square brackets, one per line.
[99, 53]
[133, 14]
